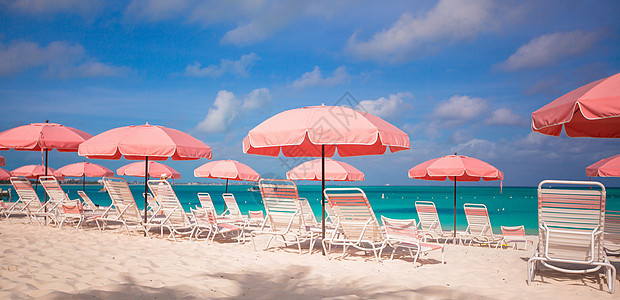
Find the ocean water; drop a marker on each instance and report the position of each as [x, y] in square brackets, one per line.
[514, 206]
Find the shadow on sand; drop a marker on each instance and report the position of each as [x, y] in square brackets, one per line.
[293, 282]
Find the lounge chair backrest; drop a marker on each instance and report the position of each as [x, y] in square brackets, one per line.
[232, 207]
[204, 217]
[55, 193]
[611, 234]
[256, 215]
[478, 222]
[87, 201]
[354, 214]
[402, 230]
[26, 193]
[169, 204]
[122, 198]
[306, 211]
[429, 219]
[206, 202]
[281, 202]
[568, 218]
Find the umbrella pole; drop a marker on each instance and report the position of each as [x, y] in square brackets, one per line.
[226, 191]
[45, 203]
[146, 188]
[84, 182]
[323, 194]
[454, 233]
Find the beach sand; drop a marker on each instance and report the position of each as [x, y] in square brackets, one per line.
[51, 263]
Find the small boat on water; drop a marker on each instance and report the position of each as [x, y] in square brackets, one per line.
[253, 189]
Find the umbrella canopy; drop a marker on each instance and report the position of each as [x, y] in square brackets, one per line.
[4, 174]
[144, 142]
[33, 171]
[155, 170]
[592, 110]
[82, 169]
[2, 161]
[318, 131]
[608, 167]
[226, 169]
[334, 170]
[456, 168]
[43, 136]
[301, 132]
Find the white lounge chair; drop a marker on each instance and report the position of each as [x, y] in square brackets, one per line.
[89, 204]
[513, 234]
[123, 209]
[232, 208]
[571, 226]
[430, 224]
[479, 229]
[404, 234]
[64, 209]
[174, 217]
[356, 224]
[206, 221]
[611, 234]
[28, 202]
[284, 215]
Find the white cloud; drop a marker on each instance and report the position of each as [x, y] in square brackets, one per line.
[50, 7]
[236, 67]
[449, 20]
[385, 107]
[61, 59]
[315, 78]
[459, 109]
[477, 148]
[504, 116]
[256, 20]
[227, 107]
[549, 49]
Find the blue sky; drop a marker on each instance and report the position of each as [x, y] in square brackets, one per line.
[457, 76]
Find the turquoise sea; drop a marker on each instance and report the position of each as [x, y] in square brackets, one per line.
[514, 206]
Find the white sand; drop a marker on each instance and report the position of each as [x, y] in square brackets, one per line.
[49, 263]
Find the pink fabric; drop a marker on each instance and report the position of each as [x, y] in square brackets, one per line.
[84, 168]
[592, 110]
[2, 161]
[226, 169]
[34, 171]
[137, 142]
[334, 170]
[4, 174]
[41, 136]
[301, 132]
[155, 170]
[608, 167]
[463, 167]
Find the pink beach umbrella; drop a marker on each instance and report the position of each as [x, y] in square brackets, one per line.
[156, 170]
[33, 171]
[456, 168]
[592, 110]
[2, 161]
[4, 174]
[334, 170]
[43, 137]
[318, 131]
[226, 169]
[144, 142]
[84, 169]
[608, 167]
